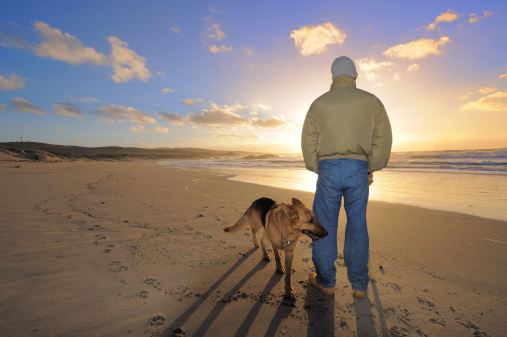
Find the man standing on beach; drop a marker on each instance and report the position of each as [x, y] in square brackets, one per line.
[346, 137]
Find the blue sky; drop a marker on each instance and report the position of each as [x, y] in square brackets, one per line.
[240, 75]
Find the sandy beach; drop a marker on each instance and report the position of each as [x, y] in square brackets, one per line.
[95, 248]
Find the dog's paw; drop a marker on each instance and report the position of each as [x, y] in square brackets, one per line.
[281, 270]
[291, 296]
[266, 258]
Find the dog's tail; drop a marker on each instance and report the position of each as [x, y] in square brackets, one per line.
[239, 225]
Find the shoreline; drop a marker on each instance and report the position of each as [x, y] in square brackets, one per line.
[132, 248]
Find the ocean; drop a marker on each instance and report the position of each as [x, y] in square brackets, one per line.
[471, 182]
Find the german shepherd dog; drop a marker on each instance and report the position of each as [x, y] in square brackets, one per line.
[283, 225]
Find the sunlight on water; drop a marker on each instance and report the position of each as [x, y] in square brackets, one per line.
[466, 182]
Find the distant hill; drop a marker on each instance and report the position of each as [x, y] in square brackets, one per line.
[50, 152]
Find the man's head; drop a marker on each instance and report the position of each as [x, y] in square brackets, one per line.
[343, 66]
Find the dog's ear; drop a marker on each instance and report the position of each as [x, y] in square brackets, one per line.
[296, 201]
[290, 212]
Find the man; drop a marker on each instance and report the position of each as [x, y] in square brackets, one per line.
[346, 137]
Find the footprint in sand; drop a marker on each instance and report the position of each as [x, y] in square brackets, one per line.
[156, 320]
[143, 293]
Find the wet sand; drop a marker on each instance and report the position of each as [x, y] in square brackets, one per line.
[134, 249]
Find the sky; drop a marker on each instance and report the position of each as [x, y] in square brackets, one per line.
[241, 75]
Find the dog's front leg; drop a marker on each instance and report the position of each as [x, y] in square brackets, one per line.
[279, 266]
[290, 293]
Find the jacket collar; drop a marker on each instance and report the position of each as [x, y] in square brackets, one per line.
[343, 81]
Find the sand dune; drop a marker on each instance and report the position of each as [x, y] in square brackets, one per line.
[132, 249]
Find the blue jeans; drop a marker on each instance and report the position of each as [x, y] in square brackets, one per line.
[347, 178]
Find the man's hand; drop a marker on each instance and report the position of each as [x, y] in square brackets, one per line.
[370, 177]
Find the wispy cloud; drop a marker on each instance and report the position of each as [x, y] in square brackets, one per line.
[213, 33]
[166, 91]
[370, 67]
[413, 67]
[492, 102]
[418, 49]
[67, 109]
[503, 76]
[12, 82]
[226, 135]
[220, 116]
[487, 90]
[85, 99]
[65, 47]
[315, 39]
[22, 105]
[3, 107]
[141, 128]
[271, 122]
[222, 49]
[474, 18]
[175, 30]
[192, 101]
[448, 16]
[114, 113]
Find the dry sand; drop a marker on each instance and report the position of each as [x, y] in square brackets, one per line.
[133, 249]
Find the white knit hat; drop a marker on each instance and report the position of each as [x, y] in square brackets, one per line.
[343, 66]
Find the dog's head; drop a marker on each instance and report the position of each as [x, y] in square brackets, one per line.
[303, 220]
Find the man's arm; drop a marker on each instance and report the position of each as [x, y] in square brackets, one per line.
[309, 141]
[382, 139]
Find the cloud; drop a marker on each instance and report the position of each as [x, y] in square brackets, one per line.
[419, 49]
[371, 66]
[465, 96]
[413, 67]
[474, 18]
[218, 115]
[3, 107]
[222, 49]
[13, 82]
[22, 105]
[232, 135]
[64, 47]
[492, 102]
[118, 113]
[161, 74]
[85, 99]
[271, 122]
[67, 109]
[126, 63]
[503, 76]
[172, 117]
[249, 51]
[487, 90]
[175, 30]
[212, 29]
[448, 16]
[213, 32]
[315, 39]
[191, 101]
[141, 128]
[166, 90]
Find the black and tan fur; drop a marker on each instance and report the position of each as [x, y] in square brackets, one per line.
[283, 225]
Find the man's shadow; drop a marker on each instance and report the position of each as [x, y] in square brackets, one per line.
[364, 315]
[321, 311]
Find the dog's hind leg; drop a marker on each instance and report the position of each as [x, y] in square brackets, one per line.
[254, 237]
[265, 254]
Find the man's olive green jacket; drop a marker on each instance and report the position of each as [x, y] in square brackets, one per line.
[346, 122]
